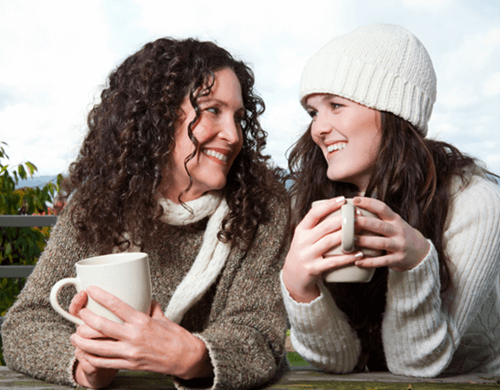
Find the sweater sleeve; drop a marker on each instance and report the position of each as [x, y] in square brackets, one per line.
[422, 328]
[246, 338]
[321, 334]
[36, 340]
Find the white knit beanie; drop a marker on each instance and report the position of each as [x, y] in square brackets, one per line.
[381, 66]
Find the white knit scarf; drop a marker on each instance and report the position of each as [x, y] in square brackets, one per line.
[213, 253]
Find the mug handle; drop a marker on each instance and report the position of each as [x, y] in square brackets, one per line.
[55, 303]
[348, 228]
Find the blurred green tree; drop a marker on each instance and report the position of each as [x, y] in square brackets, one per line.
[21, 245]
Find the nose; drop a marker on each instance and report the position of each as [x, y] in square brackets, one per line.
[230, 131]
[321, 125]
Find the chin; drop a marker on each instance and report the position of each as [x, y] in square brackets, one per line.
[216, 186]
[331, 176]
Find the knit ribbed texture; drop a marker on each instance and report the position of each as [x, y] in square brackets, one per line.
[338, 348]
[381, 66]
[425, 333]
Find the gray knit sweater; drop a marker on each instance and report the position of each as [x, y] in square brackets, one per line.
[241, 318]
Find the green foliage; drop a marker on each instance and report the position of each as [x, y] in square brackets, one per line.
[21, 245]
[296, 360]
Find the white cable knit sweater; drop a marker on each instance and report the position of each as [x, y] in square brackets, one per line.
[424, 333]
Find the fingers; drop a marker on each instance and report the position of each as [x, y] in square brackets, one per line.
[156, 310]
[329, 263]
[317, 213]
[375, 206]
[112, 303]
[106, 363]
[78, 303]
[326, 243]
[100, 347]
[84, 364]
[87, 332]
[389, 260]
[377, 226]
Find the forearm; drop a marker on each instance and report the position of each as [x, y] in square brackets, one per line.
[419, 339]
[321, 333]
[200, 365]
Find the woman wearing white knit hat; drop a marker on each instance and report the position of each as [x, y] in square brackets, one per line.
[433, 305]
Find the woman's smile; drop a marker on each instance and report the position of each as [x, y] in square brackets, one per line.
[218, 155]
[349, 135]
[336, 146]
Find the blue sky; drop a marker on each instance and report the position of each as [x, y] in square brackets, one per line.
[55, 57]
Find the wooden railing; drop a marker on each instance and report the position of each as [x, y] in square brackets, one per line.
[22, 271]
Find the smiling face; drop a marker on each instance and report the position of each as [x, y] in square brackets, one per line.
[349, 134]
[219, 135]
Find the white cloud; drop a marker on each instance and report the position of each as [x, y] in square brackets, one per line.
[53, 56]
[55, 53]
[443, 130]
[426, 3]
[492, 86]
[461, 95]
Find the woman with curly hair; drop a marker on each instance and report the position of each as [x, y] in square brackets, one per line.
[432, 306]
[172, 165]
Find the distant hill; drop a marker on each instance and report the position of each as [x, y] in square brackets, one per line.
[36, 181]
[41, 180]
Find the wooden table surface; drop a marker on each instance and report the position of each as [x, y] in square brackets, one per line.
[298, 378]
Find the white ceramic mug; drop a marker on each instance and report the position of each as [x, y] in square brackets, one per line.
[349, 273]
[125, 275]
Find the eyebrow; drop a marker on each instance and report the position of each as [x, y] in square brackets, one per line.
[327, 96]
[219, 102]
[330, 96]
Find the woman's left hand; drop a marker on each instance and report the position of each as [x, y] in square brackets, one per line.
[150, 343]
[405, 247]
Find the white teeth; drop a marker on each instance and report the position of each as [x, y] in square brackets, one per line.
[337, 146]
[215, 154]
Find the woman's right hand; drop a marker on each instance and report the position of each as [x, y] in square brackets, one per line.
[313, 236]
[85, 373]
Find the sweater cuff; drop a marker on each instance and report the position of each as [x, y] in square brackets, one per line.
[72, 367]
[304, 316]
[409, 288]
[320, 332]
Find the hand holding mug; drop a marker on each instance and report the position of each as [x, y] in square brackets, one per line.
[313, 236]
[405, 247]
[350, 273]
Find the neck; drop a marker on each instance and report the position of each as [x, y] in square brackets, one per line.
[175, 193]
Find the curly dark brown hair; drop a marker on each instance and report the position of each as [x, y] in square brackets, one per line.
[130, 138]
[412, 175]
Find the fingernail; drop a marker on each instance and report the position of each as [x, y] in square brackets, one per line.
[358, 255]
[358, 212]
[356, 200]
[340, 199]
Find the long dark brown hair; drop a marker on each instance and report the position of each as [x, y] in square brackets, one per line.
[130, 138]
[412, 175]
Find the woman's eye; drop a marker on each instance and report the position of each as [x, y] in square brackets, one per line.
[335, 105]
[239, 119]
[213, 110]
[312, 113]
